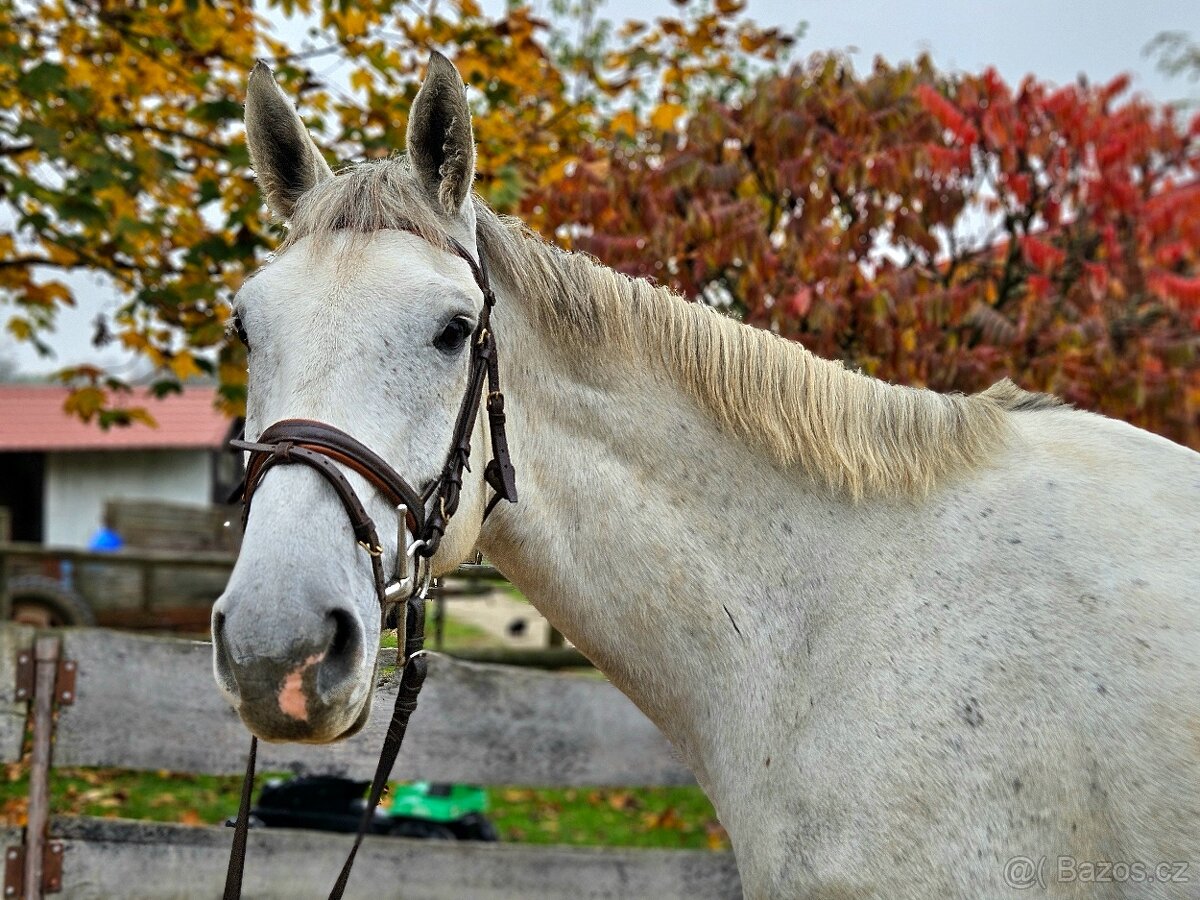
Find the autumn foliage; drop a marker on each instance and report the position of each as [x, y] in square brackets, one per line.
[933, 231]
[122, 154]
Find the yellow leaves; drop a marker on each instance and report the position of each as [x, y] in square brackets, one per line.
[361, 79]
[625, 122]
[666, 819]
[558, 171]
[352, 22]
[47, 294]
[666, 115]
[715, 837]
[15, 811]
[85, 402]
[20, 328]
[232, 371]
[183, 366]
[908, 340]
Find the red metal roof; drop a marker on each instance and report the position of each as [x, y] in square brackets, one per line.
[32, 419]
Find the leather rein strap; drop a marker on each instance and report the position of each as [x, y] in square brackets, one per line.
[323, 448]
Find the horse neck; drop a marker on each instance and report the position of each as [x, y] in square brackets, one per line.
[639, 526]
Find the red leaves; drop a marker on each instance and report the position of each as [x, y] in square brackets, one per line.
[800, 302]
[827, 219]
[1117, 86]
[1179, 290]
[947, 114]
[1042, 256]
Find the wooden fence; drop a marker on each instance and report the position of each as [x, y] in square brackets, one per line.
[150, 703]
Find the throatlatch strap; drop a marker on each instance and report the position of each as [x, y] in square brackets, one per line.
[237, 853]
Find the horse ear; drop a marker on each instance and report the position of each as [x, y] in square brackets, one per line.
[285, 159]
[441, 146]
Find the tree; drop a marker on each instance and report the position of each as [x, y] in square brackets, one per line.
[835, 209]
[1177, 54]
[838, 209]
[121, 149]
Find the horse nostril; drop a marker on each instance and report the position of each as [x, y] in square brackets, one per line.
[223, 667]
[343, 653]
[345, 629]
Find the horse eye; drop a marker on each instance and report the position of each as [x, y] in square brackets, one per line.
[453, 336]
[239, 331]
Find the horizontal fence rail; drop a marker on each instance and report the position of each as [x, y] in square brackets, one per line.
[150, 703]
[107, 858]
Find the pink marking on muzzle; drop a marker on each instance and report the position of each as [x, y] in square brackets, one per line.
[292, 701]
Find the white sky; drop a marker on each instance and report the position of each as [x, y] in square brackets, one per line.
[1056, 40]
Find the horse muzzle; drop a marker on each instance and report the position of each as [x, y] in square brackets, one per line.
[316, 691]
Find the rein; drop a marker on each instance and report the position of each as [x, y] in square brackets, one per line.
[421, 514]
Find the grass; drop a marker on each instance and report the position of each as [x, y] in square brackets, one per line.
[678, 817]
[456, 635]
[674, 818]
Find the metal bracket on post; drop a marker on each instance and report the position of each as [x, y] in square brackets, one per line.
[14, 872]
[25, 668]
[64, 682]
[52, 867]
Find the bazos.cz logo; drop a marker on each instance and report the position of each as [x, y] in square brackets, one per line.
[1024, 872]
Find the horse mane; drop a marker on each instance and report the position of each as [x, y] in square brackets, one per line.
[859, 435]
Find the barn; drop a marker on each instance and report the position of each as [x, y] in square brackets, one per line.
[57, 473]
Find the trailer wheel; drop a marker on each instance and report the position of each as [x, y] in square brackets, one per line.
[45, 603]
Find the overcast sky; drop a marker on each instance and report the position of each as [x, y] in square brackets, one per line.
[1056, 40]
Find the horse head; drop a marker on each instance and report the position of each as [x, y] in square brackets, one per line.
[364, 321]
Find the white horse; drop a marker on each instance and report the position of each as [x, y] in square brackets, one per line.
[901, 638]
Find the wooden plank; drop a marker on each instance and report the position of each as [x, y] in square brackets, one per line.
[13, 713]
[202, 558]
[150, 703]
[109, 858]
[174, 526]
[212, 559]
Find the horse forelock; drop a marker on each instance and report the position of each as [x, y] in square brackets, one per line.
[859, 435]
[366, 198]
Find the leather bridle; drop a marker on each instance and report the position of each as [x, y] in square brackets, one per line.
[422, 518]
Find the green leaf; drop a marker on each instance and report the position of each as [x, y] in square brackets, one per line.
[215, 112]
[42, 79]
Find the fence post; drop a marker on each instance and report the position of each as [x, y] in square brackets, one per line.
[46, 650]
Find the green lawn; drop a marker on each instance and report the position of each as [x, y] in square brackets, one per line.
[641, 817]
